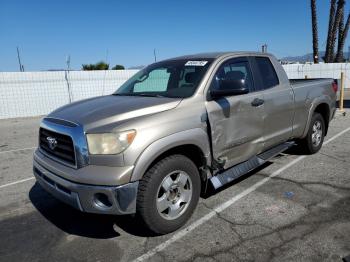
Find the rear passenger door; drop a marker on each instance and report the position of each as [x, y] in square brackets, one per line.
[279, 102]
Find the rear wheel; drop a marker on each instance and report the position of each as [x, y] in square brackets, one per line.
[313, 141]
[168, 194]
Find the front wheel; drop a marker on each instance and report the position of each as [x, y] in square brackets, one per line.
[168, 194]
[313, 141]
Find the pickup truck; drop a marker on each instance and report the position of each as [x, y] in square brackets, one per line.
[176, 129]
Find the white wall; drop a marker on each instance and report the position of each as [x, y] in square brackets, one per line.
[24, 94]
[299, 71]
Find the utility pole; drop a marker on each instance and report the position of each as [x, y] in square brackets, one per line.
[155, 55]
[66, 76]
[68, 62]
[21, 67]
[264, 48]
[107, 53]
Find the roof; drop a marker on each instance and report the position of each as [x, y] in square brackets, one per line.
[215, 55]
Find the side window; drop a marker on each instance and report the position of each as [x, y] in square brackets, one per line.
[186, 76]
[156, 81]
[232, 70]
[267, 72]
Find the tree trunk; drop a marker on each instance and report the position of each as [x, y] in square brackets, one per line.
[339, 55]
[338, 16]
[330, 30]
[341, 43]
[314, 30]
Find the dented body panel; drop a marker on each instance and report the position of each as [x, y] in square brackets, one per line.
[236, 128]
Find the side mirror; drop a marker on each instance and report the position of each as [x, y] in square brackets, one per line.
[229, 88]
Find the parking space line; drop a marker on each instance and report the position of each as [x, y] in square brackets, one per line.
[225, 205]
[15, 150]
[17, 182]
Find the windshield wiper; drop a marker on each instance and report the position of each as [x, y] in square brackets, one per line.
[150, 95]
[138, 94]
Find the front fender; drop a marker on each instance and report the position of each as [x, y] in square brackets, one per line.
[196, 136]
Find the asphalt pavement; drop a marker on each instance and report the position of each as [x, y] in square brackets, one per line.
[294, 208]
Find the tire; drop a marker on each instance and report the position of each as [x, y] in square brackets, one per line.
[168, 194]
[313, 141]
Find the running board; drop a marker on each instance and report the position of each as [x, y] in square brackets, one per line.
[243, 168]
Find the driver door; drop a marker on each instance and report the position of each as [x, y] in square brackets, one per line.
[236, 122]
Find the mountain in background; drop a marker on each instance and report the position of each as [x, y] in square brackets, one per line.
[307, 57]
[137, 67]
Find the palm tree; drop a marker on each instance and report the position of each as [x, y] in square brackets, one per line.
[341, 41]
[314, 30]
[330, 30]
[340, 32]
[338, 17]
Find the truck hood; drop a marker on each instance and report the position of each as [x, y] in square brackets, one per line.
[104, 110]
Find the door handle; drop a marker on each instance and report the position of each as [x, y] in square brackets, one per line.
[257, 102]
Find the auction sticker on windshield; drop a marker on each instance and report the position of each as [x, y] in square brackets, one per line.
[196, 63]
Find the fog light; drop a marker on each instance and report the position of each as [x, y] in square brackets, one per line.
[101, 200]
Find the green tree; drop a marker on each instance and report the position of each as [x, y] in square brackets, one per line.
[98, 66]
[101, 66]
[88, 67]
[118, 67]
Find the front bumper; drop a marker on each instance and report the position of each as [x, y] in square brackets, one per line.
[117, 200]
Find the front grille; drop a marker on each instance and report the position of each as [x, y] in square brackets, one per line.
[63, 149]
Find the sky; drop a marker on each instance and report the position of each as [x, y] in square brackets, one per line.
[127, 32]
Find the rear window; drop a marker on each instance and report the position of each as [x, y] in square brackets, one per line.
[267, 72]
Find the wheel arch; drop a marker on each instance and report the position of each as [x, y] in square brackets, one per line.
[323, 108]
[193, 144]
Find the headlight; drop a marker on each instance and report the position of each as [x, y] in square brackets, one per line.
[110, 143]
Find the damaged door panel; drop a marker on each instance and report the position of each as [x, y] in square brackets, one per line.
[236, 121]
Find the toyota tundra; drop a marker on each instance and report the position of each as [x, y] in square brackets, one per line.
[175, 129]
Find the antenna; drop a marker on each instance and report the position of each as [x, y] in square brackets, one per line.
[155, 55]
[21, 67]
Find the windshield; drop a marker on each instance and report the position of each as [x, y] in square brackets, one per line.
[173, 78]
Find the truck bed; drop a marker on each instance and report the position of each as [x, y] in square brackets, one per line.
[312, 81]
